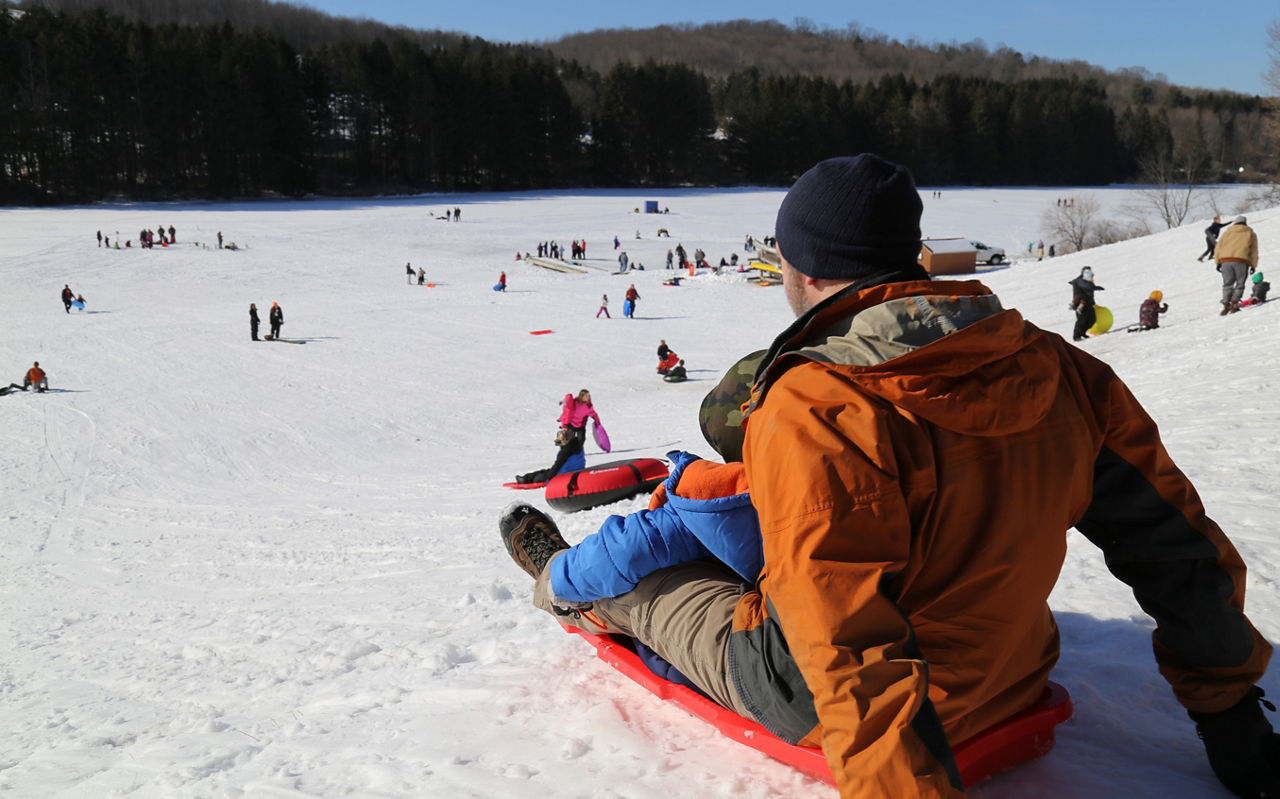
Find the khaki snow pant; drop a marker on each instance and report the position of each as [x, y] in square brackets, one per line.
[684, 613]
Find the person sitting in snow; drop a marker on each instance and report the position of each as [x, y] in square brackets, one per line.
[915, 454]
[677, 373]
[1150, 310]
[702, 510]
[36, 377]
[1260, 288]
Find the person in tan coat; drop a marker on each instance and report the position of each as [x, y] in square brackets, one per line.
[1237, 257]
[915, 454]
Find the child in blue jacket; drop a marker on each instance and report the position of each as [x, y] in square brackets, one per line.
[701, 510]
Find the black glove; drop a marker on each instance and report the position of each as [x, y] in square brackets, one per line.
[1251, 269]
[1218, 267]
[1243, 750]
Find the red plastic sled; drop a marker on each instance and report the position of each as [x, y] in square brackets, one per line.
[524, 485]
[1021, 737]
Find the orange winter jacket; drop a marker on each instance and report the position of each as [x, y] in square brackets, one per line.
[916, 455]
[35, 374]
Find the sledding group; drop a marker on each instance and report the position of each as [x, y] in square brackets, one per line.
[1086, 308]
[868, 570]
[575, 411]
[275, 316]
[71, 300]
[670, 365]
[1235, 253]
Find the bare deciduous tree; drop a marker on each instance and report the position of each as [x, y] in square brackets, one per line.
[1170, 188]
[1073, 224]
[1272, 79]
[1272, 76]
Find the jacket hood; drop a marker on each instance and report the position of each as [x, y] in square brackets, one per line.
[942, 350]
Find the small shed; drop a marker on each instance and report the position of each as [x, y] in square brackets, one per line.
[651, 206]
[948, 256]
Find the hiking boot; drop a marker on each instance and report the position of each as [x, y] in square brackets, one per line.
[1235, 307]
[530, 537]
[1226, 309]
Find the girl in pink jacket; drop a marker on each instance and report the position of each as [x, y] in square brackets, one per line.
[574, 413]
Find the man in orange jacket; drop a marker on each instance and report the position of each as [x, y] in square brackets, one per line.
[915, 454]
[36, 377]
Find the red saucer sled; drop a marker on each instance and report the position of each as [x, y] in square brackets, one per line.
[519, 486]
[1021, 737]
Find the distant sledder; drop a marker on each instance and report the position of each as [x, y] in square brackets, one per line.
[1259, 294]
[667, 359]
[677, 373]
[1149, 312]
[35, 376]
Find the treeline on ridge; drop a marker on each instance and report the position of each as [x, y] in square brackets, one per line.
[98, 105]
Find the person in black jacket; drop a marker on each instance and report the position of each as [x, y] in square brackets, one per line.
[253, 321]
[1211, 237]
[1082, 289]
[276, 317]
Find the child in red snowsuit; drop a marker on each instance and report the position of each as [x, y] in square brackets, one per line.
[1149, 312]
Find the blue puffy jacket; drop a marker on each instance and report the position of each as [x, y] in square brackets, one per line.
[706, 513]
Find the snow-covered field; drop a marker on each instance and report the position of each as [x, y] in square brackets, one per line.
[233, 568]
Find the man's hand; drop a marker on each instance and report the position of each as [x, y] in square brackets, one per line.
[1243, 750]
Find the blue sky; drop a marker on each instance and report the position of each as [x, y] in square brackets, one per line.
[1197, 44]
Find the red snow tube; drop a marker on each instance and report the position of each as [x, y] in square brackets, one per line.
[609, 482]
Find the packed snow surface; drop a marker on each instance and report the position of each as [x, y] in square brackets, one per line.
[235, 568]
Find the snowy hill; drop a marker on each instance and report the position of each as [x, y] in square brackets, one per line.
[237, 568]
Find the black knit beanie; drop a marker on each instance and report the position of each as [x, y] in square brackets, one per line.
[850, 218]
